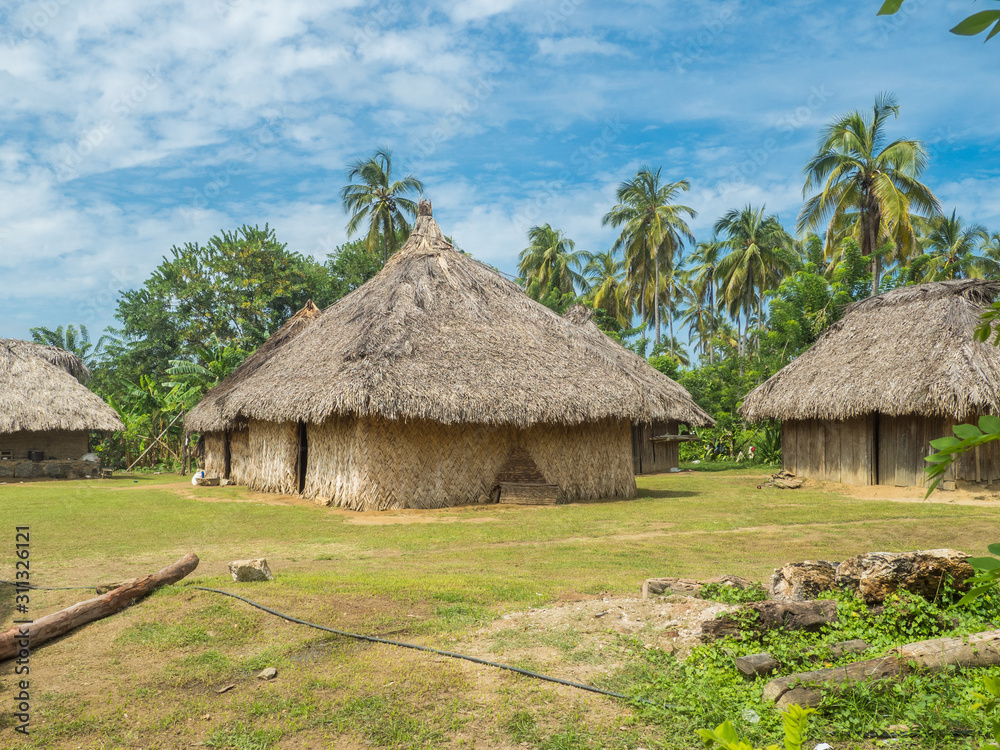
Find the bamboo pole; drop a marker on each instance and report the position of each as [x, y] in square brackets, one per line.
[179, 415]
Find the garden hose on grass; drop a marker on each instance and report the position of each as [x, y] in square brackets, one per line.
[450, 654]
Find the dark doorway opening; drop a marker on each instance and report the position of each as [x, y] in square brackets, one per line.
[876, 448]
[228, 453]
[303, 461]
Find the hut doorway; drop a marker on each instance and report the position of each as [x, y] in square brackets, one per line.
[228, 463]
[303, 461]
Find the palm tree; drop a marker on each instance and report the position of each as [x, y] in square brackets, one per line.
[989, 262]
[603, 285]
[953, 249]
[758, 258]
[652, 230]
[70, 338]
[867, 187]
[379, 199]
[549, 262]
[703, 280]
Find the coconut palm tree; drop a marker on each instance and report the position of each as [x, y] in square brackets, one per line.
[603, 285]
[653, 228]
[989, 261]
[703, 282]
[952, 248]
[867, 188]
[758, 257]
[380, 200]
[549, 262]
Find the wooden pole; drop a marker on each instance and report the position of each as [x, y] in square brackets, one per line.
[179, 415]
[31, 635]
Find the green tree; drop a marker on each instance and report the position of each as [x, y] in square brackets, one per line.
[867, 188]
[703, 311]
[350, 265]
[653, 228]
[238, 288]
[952, 246]
[380, 200]
[757, 258]
[989, 260]
[70, 338]
[549, 262]
[604, 287]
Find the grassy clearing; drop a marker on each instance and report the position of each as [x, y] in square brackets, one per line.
[150, 676]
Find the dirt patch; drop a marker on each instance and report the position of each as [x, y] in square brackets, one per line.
[975, 497]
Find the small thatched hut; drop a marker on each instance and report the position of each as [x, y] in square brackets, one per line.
[440, 383]
[44, 405]
[227, 443]
[899, 370]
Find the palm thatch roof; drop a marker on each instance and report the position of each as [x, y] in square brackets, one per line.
[207, 416]
[38, 396]
[439, 336]
[908, 351]
[68, 361]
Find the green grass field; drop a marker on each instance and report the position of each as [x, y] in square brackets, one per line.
[151, 676]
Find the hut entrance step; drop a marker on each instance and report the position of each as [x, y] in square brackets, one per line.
[529, 493]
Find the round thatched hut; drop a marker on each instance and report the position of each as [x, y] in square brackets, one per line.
[899, 370]
[227, 442]
[44, 405]
[441, 383]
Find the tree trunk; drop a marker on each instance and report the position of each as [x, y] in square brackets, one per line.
[656, 293]
[54, 625]
[935, 655]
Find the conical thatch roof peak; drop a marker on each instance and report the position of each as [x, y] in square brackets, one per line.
[908, 351]
[38, 396]
[207, 414]
[437, 335]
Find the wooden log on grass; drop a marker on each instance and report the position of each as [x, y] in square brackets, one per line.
[934, 655]
[758, 617]
[51, 626]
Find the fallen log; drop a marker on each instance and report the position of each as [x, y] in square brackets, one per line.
[753, 666]
[51, 626]
[936, 654]
[760, 616]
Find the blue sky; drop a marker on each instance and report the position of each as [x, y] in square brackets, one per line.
[129, 127]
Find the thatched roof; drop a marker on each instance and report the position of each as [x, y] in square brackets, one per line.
[909, 351]
[437, 335]
[38, 396]
[51, 354]
[206, 416]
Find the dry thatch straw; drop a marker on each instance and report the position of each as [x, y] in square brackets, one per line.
[909, 351]
[51, 354]
[439, 336]
[206, 415]
[38, 396]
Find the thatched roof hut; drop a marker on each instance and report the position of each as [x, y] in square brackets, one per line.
[419, 387]
[43, 406]
[896, 372]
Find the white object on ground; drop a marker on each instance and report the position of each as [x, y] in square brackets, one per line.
[197, 475]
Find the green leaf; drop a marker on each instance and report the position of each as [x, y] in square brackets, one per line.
[996, 30]
[994, 548]
[989, 424]
[945, 442]
[967, 431]
[977, 23]
[889, 7]
[984, 563]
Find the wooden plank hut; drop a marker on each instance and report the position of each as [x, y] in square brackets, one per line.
[44, 406]
[441, 383]
[899, 370]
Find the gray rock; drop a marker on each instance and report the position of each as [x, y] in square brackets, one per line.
[268, 674]
[877, 575]
[244, 571]
[803, 581]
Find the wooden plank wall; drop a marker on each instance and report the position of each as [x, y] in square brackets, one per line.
[652, 458]
[832, 451]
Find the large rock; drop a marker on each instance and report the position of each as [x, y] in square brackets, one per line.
[758, 617]
[803, 581]
[690, 587]
[244, 571]
[877, 575]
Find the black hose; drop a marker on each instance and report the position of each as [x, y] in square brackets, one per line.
[474, 659]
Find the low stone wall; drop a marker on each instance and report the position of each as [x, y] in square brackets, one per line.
[55, 469]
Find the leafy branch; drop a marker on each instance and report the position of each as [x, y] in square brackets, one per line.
[974, 24]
